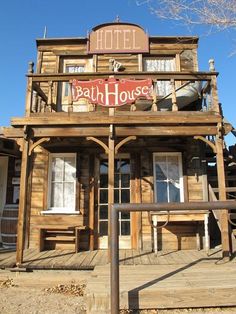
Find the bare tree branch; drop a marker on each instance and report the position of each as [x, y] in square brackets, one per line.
[220, 14]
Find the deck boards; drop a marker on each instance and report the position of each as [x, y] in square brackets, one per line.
[68, 259]
[200, 283]
[179, 278]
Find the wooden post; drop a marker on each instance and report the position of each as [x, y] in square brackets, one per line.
[28, 100]
[214, 91]
[22, 203]
[222, 197]
[91, 200]
[137, 221]
[111, 170]
[174, 99]
[29, 90]
[50, 85]
[70, 99]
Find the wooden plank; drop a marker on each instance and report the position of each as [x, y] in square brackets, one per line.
[111, 178]
[121, 117]
[22, 203]
[222, 197]
[91, 200]
[181, 76]
[125, 131]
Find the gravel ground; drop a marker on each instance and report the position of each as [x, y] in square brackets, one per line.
[55, 292]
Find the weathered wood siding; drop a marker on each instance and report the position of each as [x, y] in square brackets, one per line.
[177, 235]
[39, 203]
[128, 61]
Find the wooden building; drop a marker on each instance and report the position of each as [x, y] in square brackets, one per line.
[10, 165]
[118, 116]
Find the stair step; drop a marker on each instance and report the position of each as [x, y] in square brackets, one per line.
[60, 238]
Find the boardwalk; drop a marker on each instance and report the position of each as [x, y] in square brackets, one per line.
[87, 260]
[171, 279]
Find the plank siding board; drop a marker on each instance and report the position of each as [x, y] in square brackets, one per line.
[164, 118]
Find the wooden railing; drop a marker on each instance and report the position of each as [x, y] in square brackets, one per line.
[44, 91]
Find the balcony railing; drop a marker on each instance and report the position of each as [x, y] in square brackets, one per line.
[188, 91]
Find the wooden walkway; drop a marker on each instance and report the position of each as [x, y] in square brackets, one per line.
[87, 260]
[168, 280]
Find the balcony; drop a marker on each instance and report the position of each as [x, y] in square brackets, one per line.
[53, 93]
[50, 113]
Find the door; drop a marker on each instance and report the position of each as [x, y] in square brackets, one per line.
[3, 184]
[121, 195]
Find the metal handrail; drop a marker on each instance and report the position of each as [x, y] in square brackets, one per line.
[114, 239]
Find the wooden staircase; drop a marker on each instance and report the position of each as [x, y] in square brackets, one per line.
[193, 285]
[230, 181]
[51, 237]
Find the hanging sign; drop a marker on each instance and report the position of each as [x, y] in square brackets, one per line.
[112, 92]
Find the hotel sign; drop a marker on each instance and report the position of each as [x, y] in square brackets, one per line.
[112, 92]
[118, 38]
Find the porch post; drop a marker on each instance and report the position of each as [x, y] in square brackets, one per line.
[222, 197]
[22, 202]
[111, 170]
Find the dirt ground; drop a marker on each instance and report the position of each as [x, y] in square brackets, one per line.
[59, 292]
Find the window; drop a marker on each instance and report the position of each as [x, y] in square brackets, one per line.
[78, 65]
[62, 182]
[159, 64]
[121, 194]
[168, 177]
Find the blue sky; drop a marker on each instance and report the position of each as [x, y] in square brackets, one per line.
[21, 22]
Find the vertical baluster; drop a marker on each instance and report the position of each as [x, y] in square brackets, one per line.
[50, 86]
[29, 90]
[35, 102]
[174, 100]
[70, 98]
[154, 98]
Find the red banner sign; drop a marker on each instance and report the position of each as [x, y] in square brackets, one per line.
[112, 92]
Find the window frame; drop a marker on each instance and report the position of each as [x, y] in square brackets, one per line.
[60, 210]
[82, 105]
[180, 166]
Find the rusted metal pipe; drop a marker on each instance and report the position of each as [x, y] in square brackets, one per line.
[116, 208]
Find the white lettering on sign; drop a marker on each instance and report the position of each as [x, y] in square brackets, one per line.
[112, 93]
[110, 39]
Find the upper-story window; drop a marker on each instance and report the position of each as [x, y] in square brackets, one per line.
[160, 64]
[76, 65]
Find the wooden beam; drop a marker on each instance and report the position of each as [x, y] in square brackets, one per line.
[28, 99]
[91, 201]
[99, 142]
[124, 131]
[40, 92]
[111, 171]
[39, 142]
[124, 141]
[10, 132]
[136, 218]
[201, 138]
[120, 117]
[222, 197]
[22, 203]
[163, 76]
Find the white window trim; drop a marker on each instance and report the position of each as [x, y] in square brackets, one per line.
[181, 180]
[59, 210]
[82, 105]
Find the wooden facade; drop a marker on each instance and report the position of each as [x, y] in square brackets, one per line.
[79, 157]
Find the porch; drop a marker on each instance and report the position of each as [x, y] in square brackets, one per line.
[88, 260]
[169, 280]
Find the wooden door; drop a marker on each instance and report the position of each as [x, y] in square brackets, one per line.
[121, 195]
